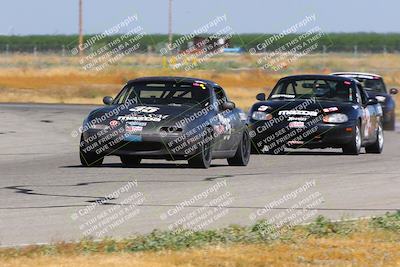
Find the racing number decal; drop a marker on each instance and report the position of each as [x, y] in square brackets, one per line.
[368, 125]
[226, 123]
[144, 109]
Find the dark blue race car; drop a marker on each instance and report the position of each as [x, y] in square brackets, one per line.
[375, 87]
[317, 111]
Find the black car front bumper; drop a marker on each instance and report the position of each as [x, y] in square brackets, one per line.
[145, 145]
[320, 135]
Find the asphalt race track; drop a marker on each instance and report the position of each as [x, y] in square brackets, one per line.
[45, 193]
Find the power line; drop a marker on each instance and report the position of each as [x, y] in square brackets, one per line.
[80, 26]
[170, 22]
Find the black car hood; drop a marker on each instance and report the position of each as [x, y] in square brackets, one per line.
[164, 112]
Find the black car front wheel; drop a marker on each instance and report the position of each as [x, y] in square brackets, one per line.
[391, 124]
[242, 155]
[90, 159]
[377, 146]
[354, 147]
[130, 161]
[204, 155]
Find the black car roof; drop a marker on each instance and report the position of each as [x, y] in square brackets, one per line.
[318, 76]
[172, 79]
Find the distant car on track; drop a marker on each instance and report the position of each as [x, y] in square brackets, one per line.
[375, 87]
[174, 118]
[316, 111]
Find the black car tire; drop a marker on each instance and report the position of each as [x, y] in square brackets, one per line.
[377, 146]
[254, 149]
[242, 155]
[89, 159]
[204, 155]
[354, 147]
[130, 161]
[391, 125]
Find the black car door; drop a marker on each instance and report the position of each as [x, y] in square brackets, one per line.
[227, 123]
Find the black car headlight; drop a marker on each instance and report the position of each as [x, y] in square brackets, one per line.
[261, 116]
[335, 118]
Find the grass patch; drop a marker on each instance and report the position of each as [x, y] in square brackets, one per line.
[384, 228]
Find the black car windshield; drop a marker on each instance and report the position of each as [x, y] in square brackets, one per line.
[165, 93]
[323, 89]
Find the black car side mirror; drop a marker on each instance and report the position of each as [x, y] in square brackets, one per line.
[107, 100]
[228, 105]
[372, 101]
[394, 91]
[260, 97]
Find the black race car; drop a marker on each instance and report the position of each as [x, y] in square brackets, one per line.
[170, 118]
[316, 111]
[375, 87]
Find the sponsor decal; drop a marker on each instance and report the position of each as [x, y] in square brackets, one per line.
[133, 129]
[143, 117]
[298, 112]
[331, 109]
[144, 109]
[295, 142]
[368, 123]
[283, 95]
[226, 123]
[136, 123]
[201, 85]
[297, 119]
[263, 108]
[296, 124]
[114, 123]
[219, 129]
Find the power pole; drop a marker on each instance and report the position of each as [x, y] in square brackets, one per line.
[80, 27]
[170, 22]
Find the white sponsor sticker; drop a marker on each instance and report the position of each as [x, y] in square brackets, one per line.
[298, 112]
[144, 109]
[331, 109]
[146, 117]
[263, 108]
[133, 129]
[296, 124]
[297, 119]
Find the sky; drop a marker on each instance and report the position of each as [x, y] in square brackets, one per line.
[26, 17]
